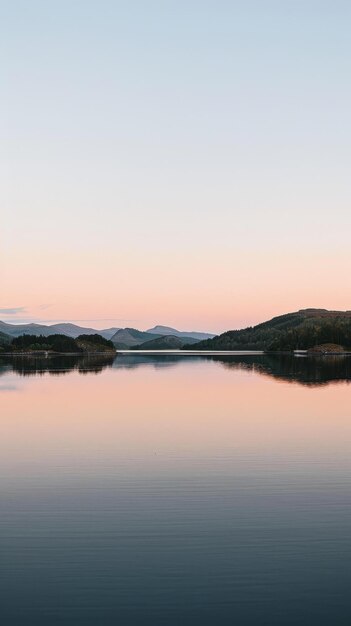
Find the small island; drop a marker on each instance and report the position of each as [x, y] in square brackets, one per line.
[326, 348]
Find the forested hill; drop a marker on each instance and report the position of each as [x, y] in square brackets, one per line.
[300, 330]
[59, 344]
[4, 339]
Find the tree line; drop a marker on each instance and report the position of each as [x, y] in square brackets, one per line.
[287, 335]
[58, 343]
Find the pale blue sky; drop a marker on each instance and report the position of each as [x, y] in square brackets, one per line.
[175, 143]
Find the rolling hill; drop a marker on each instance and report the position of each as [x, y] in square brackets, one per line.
[302, 329]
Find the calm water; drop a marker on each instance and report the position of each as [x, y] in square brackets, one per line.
[175, 491]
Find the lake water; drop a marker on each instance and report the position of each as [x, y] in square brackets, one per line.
[175, 491]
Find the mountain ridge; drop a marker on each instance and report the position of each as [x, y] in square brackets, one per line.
[73, 330]
[64, 328]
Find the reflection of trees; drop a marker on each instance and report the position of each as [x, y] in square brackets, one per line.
[312, 370]
[56, 365]
[309, 370]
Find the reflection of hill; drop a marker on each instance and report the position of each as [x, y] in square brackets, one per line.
[304, 370]
[56, 365]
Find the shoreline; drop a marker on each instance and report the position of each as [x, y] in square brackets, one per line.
[297, 353]
[175, 352]
[46, 355]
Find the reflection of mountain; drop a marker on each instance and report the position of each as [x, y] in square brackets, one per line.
[310, 371]
[56, 365]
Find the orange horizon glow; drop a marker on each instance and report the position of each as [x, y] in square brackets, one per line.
[178, 296]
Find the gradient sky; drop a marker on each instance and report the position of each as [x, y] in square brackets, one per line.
[175, 162]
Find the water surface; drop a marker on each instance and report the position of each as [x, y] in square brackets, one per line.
[170, 490]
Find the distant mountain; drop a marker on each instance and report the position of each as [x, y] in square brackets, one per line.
[65, 328]
[126, 338]
[162, 330]
[167, 342]
[107, 333]
[15, 330]
[72, 330]
[167, 330]
[302, 329]
[123, 338]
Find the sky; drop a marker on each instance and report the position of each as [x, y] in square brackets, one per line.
[178, 162]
